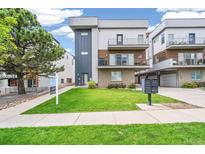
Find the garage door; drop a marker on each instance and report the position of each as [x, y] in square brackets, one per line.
[168, 80]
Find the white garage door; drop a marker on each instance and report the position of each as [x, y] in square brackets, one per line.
[168, 80]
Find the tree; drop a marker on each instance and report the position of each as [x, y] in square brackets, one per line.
[36, 50]
[5, 37]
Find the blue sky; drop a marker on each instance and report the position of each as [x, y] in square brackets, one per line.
[56, 20]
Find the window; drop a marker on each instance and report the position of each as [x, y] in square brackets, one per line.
[162, 38]
[140, 38]
[84, 34]
[121, 59]
[31, 83]
[84, 53]
[196, 75]
[171, 39]
[69, 80]
[12, 82]
[190, 58]
[116, 76]
[62, 80]
[120, 39]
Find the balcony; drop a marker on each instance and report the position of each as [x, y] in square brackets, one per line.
[138, 64]
[128, 44]
[185, 43]
[174, 63]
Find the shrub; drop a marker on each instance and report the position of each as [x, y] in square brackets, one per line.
[189, 85]
[92, 85]
[116, 85]
[200, 83]
[132, 86]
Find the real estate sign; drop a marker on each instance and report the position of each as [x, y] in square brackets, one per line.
[52, 85]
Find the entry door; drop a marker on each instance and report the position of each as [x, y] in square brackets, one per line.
[191, 38]
[85, 78]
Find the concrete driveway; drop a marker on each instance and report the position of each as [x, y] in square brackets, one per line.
[191, 96]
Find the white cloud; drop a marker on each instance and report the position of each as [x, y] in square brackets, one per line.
[69, 50]
[49, 17]
[177, 13]
[151, 28]
[65, 31]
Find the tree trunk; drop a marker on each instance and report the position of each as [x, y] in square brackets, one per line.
[20, 81]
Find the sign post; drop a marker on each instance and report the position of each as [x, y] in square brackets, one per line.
[54, 86]
[56, 89]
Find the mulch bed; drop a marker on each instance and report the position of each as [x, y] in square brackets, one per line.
[180, 106]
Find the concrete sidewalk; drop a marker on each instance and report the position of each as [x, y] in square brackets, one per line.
[107, 118]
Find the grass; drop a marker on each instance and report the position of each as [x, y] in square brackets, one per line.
[88, 100]
[157, 134]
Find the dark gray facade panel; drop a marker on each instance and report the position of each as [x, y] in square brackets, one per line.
[83, 61]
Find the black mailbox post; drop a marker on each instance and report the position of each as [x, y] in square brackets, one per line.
[150, 86]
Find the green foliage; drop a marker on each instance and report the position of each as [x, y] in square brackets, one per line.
[34, 50]
[132, 86]
[116, 85]
[189, 85]
[88, 100]
[200, 83]
[140, 134]
[91, 84]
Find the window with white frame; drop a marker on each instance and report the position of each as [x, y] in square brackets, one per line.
[196, 75]
[116, 76]
[162, 38]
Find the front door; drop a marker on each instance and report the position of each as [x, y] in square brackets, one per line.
[191, 38]
[85, 78]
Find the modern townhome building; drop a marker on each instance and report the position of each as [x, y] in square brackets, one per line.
[109, 51]
[177, 50]
[8, 83]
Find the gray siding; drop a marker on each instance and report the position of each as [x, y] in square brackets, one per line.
[83, 63]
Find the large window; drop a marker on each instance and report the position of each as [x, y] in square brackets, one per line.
[116, 76]
[121, 59]
[196, 75]
[190, 58]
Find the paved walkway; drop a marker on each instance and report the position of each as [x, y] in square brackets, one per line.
[11, 117]
[191, 96]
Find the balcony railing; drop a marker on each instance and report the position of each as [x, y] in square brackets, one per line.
[137, 62]
[186, 41]
[127, 41]
[172, 62]
[186, 62]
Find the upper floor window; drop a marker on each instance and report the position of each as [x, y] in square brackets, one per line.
[171, 38]
[162, 38]
[84, 34]
[119, 39]
[140, 38]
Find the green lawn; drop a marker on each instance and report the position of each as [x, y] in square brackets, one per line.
[187, 133]
[88, 100]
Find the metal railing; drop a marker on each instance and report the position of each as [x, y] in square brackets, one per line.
[127, 41]
[137, 62]
[188, 62]
[186, 41]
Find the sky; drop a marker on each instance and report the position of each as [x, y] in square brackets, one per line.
[56, 21]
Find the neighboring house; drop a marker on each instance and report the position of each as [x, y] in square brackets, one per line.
[8, 83]
[177, 48]
[109, 51]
